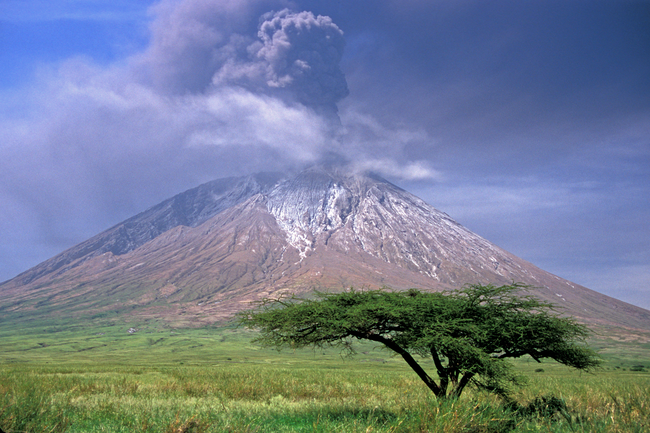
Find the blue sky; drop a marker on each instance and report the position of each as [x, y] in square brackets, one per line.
[528, 122]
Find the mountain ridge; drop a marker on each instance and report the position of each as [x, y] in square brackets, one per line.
[204, 254]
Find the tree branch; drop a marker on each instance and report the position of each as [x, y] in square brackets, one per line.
[429, 382]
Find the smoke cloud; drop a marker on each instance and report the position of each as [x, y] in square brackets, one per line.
[220, 85]
[223, 88]
[302, 53]
[190, 41]
[198, 46]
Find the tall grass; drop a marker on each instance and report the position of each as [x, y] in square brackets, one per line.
[100, 378]
[347, 397]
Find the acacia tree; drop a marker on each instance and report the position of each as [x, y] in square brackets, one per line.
[468, 333]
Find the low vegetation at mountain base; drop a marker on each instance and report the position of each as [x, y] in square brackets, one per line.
[469, 334]
[332, 396]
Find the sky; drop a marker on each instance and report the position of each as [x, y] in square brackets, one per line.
[527, 122]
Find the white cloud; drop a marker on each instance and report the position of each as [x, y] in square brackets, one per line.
[416, 170]
[86, 145]
[241, 118]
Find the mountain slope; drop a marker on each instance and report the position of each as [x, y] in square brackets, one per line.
[190, 208]
[204, 254]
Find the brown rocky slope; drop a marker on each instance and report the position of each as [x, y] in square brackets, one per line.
[199, 257]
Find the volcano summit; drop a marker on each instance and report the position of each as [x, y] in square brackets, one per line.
[204, 254]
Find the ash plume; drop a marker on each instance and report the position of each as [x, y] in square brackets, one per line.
[223, 88]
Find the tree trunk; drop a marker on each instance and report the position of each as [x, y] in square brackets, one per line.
[460, 386]
[442, 371]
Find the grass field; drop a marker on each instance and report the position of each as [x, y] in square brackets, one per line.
[103, 378]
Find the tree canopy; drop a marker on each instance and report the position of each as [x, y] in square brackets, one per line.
[468, 333]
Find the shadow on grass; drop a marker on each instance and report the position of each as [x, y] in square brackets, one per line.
[319, 420]
[437, 418]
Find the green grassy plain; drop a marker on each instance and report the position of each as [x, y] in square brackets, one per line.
[99, 377]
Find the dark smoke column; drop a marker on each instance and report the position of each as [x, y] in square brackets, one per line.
[302, 53]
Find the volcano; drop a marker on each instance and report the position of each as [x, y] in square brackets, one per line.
[201, 256]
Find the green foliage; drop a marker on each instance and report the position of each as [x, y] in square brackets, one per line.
[467, 333]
